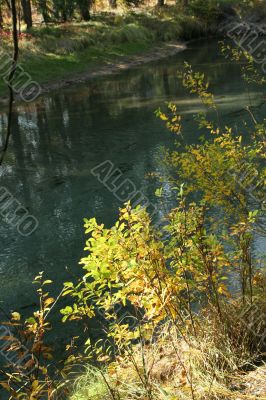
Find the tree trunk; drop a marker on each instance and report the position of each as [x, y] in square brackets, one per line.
[64, 15]
[113, 4]
[160, 3]
[27, 14]
[185, 3]
[44, 10]
[84, 7]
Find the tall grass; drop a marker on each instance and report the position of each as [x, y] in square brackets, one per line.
[210, 365]
[131, 29]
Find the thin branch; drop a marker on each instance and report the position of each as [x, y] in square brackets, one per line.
[10, 78]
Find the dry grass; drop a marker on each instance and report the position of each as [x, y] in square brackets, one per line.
[213, 365]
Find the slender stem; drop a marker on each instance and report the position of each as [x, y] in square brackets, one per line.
[10, 78]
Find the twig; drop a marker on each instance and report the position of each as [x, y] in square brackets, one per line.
[10, 78]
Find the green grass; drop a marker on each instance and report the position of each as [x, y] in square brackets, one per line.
[51, 67]
[56, 52]
[90, 386]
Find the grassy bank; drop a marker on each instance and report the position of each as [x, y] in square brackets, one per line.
[210, 366]
[55, 52]
[59, 51]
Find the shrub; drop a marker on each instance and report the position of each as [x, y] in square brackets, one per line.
[171, 325]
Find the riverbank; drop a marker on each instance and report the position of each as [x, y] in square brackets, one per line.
[124, 63]
[176, 370]
[56, 56]
[111, 67]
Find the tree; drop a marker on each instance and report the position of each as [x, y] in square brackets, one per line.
[27, 13]
[113, 4]
[64, 9]
[43, 7]
[160, 3]
[84, 8]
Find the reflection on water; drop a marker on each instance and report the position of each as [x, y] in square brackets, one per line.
[60, 137]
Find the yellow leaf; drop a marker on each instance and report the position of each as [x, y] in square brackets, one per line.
[15, 316]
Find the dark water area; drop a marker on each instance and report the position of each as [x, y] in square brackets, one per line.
[59, 138]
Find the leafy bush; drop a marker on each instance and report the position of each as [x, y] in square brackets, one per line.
[172, 327]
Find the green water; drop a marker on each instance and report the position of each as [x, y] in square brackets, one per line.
[58, 139]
